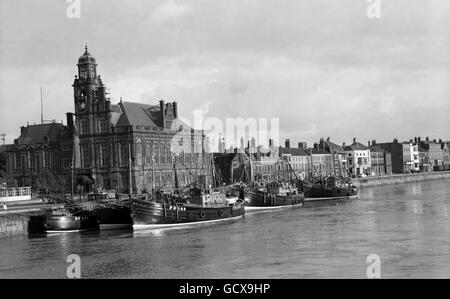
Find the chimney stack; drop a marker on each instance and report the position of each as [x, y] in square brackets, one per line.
[69, 117]
[162, 109]
[175, 109]
[287, 143]
[374, 142]
[22, 129]
[354, 139]
[328, 139]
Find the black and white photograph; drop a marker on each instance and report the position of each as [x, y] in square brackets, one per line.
[204, 142]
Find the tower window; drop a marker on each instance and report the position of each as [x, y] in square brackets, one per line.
[83, 127]
[103, 126]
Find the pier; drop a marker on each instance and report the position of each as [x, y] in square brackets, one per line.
[400, 178]
[15, 219]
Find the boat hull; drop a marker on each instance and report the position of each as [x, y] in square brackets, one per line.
[323, 192]
[156, 214]
[257, 198]
[114, 217]
[71, 223]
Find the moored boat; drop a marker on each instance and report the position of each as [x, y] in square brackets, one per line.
[272, 195]
[328, 189]
[191, 207]
[112, 212]
[65, 221]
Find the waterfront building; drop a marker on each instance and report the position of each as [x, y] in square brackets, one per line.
[358, 158]
[339, 156]
[110, 145]
[403, 156]
[380, 160]
[39, 148]
[299, 160]
[435, 151]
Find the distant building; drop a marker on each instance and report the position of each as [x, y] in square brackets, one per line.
[405, 156]
[380, 160]
[358, 158]
[39, 148]
[339, 156]
[299, 160]
[435, 153]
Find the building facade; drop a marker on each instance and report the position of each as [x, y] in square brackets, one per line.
[358, 159]
[132, 146]
[39, 148]
[126, 146]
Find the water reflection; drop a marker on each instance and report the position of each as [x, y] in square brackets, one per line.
[407, 225]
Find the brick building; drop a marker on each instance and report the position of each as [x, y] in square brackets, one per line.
[113, 144]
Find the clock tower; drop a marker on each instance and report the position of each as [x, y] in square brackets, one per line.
[92, 112]
[91, 105]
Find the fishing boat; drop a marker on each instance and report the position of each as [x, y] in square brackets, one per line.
[327, 189]
[112, 212]
[194, 205]
[272, 195]
[324, 187]
[70, 221]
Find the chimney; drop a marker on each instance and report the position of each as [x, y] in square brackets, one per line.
[343, 144]
[440, 140]
[368, 143]
[162, 113]
[287, 143]
[395, 140]
[270, 143]
[328, 139]
[374, 142]
[419, 139]
[22, 129]
[175, 109]
[316, 146]
[415, 140]
[427, 139]
[354, 139]
[69, 117]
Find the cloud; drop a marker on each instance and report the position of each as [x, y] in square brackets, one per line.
[169, 11]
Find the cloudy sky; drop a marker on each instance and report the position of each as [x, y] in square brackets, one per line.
[323, 67]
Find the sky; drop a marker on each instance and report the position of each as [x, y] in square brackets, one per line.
[322, 67]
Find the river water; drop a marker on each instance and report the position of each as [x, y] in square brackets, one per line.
[407, 226]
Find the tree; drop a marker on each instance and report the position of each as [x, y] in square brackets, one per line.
[47, 182]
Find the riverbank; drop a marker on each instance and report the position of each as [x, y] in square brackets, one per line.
[16, 220]
[400, 178]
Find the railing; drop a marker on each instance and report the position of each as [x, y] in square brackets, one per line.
[15, 192]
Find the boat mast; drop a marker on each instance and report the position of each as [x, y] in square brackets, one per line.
[175, 174]
[72, 173]
[130, 189]
[153, 172]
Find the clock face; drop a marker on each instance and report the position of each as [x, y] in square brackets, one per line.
[82, 105]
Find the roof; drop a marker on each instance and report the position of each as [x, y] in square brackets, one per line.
[355, 146]
[293, 151]
[135, 114]
[86, 58]
[319, 152]
[334, 148]
[33, 134]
